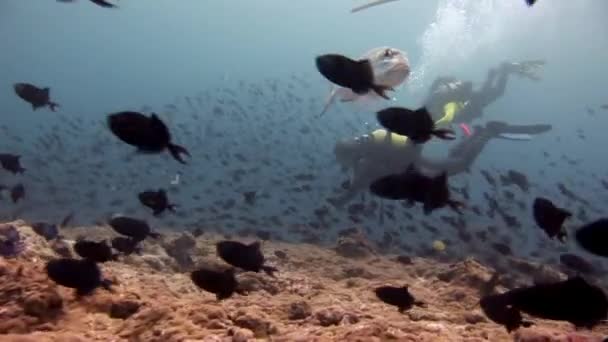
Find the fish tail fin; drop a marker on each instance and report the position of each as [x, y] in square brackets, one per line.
[381, 91]
[53, 106]
[444, 133]
[177, 151]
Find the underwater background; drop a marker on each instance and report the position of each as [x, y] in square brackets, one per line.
[236, 83]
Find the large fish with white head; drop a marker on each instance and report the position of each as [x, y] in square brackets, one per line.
[391, 68]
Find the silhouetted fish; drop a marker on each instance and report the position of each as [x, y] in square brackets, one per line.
[94, 251]
[132, 227]
[397, 296]
[358, 76]
[46, 230]
[125, 245]
[220, 282]
[35, 96]
[11, 162]
[148, 134]
[417, 125]
[593, 237]
[413, 186]
[83, 275]
[156, 200]
[248, 257]
[550, 218]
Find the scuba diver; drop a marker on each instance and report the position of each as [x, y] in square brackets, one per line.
[451, 101]
[382, 153]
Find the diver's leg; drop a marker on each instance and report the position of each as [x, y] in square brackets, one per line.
[494, 87]
[464, 154]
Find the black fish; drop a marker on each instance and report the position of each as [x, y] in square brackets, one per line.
[593, 236]
[46, 230]
[576, 263]
[156, 200]
[550, 218]
[103, 3]
[417, 125]
[94, 251]
[358, 76]
[148, 134]
[248, 257]
[125, 245]
[397, 296]
[496, 308]
[502, 248]
[100, 3]
[35, 96]
[222, 283]
[414, 186]
[83, 275]
[11, 162]
[17, 192]
[573, 300]
[516, 178]
[132, 227]
[530, 2]
[249, 197]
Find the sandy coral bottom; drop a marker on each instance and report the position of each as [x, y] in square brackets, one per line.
[318, 295]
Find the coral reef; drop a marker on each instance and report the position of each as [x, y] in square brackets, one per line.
[317, 295]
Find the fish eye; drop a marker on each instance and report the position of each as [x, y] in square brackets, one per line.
[388, 53]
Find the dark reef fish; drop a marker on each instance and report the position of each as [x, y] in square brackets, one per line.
[80, 274]
[593, 236]
[94, 251]
[222, 283]
[47, 230]
[125, 245]
[550, 218]
[11, 162]
[397, 296]
[573, 300]
[358, 76]
[417, 125]
[148, 134]
[37, 97]
[156, 200]
[414, 186]
[247, 257]
[132, 227]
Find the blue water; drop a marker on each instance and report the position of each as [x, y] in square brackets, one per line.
[153, 54]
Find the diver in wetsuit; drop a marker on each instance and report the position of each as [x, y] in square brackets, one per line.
[452, 101]
[382, 153]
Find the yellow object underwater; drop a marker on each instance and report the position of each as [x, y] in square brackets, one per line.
[439, 246]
